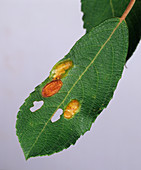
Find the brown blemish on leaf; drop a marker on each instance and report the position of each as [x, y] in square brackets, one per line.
[52, 88]
[60, 69]
[71, 109]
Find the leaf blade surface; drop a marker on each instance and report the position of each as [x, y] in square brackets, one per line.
[96, 12]
[98, 59]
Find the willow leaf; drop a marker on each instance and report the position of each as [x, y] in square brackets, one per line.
[95, 66]
[96, 12]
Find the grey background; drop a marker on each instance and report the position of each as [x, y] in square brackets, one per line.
[34, 35]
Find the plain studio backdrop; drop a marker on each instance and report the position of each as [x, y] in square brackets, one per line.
[34, 35]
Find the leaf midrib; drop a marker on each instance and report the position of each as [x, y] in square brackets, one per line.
[112, 8]
[74, 86]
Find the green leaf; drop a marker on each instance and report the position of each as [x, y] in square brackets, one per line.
[96, 12]
[98, 60]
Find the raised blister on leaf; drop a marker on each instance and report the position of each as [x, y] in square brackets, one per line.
[71, 109]
[61, 69]
[52, 88]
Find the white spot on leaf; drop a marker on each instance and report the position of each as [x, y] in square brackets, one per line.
[57, 115]
[37, 106]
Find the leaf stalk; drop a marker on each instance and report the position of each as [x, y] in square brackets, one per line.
[128, 9]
